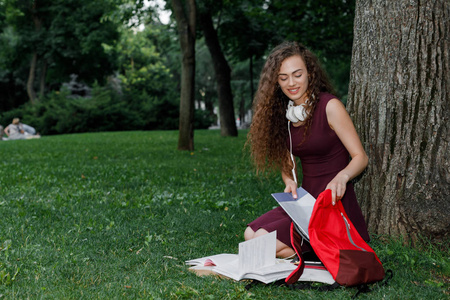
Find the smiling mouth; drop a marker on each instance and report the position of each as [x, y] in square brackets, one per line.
[294, 91]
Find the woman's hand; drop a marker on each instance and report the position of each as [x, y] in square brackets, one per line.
[338, 186]
[291, 187]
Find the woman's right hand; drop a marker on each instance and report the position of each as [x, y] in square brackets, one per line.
[291, 187]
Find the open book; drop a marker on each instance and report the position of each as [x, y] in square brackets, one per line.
[299, 209]
[256, 260]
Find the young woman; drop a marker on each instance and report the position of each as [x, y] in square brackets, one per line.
[295, 107]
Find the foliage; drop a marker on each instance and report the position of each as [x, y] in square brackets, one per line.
[205, 79]
[106, 110]
[148, 85]
[249, 29]
[115, 215]
[58, 113]
[202, 119]
[326, 27]
[65, 35]
[98, 40]
[143, 96]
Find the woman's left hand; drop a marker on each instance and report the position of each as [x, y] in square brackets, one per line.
[338, 186]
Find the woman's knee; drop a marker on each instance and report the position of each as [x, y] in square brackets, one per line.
[250, 234]
[284, 250]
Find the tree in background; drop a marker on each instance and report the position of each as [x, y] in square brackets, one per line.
[50, 40]
[92, 40]
[398, 100]
[325, 26]
[144, 78]
[185, 15]
[222, 71]
[247, 34]
[205, 80]
[141, 94]
[251, 28]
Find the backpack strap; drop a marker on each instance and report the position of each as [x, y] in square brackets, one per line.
[308, 285]
[254, 283]
[389, 274]
[296, 241]
[364, 288]
[305, 285]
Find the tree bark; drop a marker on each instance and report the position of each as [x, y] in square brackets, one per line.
[42, 78]
[31, 76]
[185, 18]
[223, 77]
[33, 64]
[398, 100]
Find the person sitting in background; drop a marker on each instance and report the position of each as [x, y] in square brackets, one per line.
[16, 131]
[28, 130]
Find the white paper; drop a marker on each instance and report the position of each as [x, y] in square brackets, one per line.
[257, 253]
[218, 259]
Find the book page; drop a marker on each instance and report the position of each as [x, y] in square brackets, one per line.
[216, 260]
[257, 253]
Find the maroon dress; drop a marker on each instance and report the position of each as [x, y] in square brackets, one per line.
[322, 156]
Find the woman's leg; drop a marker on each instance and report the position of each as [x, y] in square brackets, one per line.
[282, 249]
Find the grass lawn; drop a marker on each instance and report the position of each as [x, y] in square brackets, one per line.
[115, 215]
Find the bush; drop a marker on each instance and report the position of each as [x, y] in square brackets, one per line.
[106, 110]
[203, 119]
[57, 113]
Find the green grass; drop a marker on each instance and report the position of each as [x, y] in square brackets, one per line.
[115, 215]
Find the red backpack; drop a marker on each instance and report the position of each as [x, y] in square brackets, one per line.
[337, 243]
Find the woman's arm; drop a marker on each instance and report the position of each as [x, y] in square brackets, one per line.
[291, 185]
[6, 130]
[340, 122]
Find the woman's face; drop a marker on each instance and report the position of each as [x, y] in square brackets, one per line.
[293, 79]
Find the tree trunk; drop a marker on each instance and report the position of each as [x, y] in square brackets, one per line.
[31, 76]
[186, 30]
[398, 100]
[223, 77]
[252, 89]
[33, 64]
[42, 79]
[242, 109]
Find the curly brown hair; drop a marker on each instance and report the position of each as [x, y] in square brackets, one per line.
[269, 132]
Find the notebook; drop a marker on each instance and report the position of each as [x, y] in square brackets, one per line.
[299, 209]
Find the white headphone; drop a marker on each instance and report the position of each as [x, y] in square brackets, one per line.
[296, 113]
[294, 175]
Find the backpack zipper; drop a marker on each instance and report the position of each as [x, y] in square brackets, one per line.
[347, 226]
